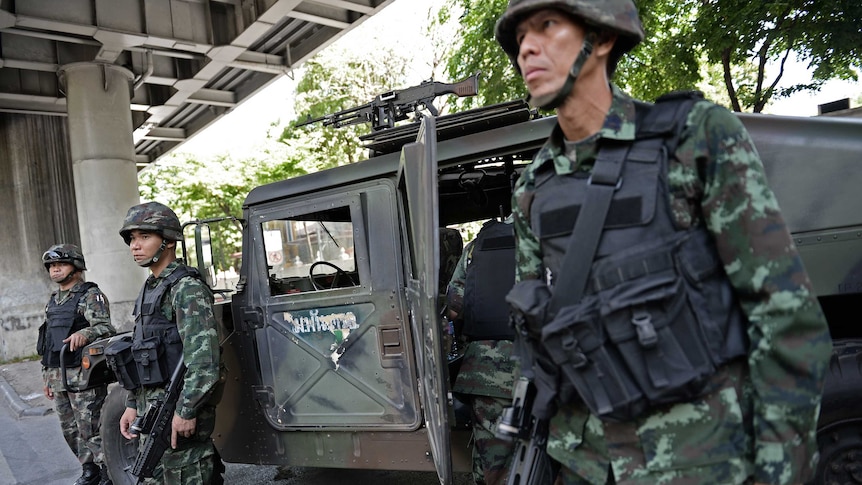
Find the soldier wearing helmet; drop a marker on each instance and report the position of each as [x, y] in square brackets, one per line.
[672, 330]
[174, 313]
[76, 314]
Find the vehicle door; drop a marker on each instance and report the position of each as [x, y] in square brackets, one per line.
[333, 345]
[417, 180]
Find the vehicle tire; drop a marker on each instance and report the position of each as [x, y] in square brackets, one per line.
[839, 429]
[120, 453]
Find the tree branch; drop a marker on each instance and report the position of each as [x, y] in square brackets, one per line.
[728, 79]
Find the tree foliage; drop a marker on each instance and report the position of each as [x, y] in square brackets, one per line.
[734, 49]
[335, 80]
[199, 188]
[477, 51]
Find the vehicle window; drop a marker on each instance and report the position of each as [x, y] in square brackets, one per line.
[311, 252]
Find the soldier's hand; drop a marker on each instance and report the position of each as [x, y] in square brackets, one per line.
[182, 427]
[75, 341]
[49, 393]
[126, 421]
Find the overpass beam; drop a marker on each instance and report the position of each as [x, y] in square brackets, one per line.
[106, 178]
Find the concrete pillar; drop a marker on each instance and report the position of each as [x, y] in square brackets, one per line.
[106, 178]
[37, 210]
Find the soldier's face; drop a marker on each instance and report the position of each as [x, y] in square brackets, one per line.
[549, 41]
[143, 244]
[60, 271]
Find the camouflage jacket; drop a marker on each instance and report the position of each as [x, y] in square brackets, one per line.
[191, 302]
[94, 307]
[759, 420]
[487, 368]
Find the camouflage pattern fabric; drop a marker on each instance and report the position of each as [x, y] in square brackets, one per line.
[190, 301]
[64, 253]
[80, 414]
[491, 456]
[192, 463]
[153, 217]
[486, 379]
[758, 420]
[620, 16]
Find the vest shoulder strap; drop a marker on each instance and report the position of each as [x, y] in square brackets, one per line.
[667, 116]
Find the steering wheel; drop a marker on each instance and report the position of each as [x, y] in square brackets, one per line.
[338, 272]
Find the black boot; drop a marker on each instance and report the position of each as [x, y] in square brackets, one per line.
[91, 476]
[106, 479]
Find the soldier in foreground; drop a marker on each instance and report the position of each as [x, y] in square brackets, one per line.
[174, 316]
[674, 333]
[77, 314]
[476, 293]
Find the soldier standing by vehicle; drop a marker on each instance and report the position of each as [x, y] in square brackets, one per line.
[674, 333]
[77, 314]
[476, 293]
[174, 314]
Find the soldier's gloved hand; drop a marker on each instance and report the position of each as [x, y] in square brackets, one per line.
[75, 341]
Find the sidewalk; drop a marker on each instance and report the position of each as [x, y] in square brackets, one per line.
[21, 387]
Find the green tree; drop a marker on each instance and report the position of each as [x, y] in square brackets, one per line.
[477, 51]
[334, 80]
[738, 44]
[199, 188]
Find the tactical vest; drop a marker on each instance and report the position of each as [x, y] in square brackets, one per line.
[157, 347]
[62, 321]
[490, 276]
[659, 315]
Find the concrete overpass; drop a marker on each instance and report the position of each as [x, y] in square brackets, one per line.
[92, 90]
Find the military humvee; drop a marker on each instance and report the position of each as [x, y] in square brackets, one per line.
[332, 339]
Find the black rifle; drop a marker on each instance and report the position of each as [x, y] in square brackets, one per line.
[393, 106]
[157, 424]
[531, 465]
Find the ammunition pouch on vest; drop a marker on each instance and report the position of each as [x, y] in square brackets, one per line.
[490, 276]
[658, 315]
[644, 341]
[118, 355]
[63, 320]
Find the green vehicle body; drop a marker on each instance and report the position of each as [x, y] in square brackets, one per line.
[341, 364]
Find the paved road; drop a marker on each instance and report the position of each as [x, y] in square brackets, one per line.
[32, 450]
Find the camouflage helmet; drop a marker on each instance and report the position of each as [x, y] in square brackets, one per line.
[64, 253]
[152, 217]
[619, 16]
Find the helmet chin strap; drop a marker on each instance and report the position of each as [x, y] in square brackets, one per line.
[155, 259]
[553, 101]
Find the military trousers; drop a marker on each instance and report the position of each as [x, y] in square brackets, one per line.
[492, 457]
[80, 414]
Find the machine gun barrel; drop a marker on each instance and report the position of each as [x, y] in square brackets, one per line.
[388, 108]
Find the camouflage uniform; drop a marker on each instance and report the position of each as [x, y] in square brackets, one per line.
[757, 422]
[190, 302]
[80, 412]
[485, 380]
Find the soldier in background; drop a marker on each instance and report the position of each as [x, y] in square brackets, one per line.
[693, 294]
[77, 314]
[175, 310]
[476, 293]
